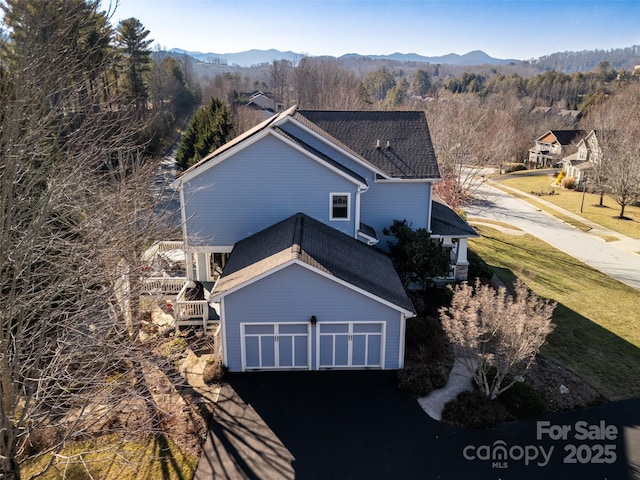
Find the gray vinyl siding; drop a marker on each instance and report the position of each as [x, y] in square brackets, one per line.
[260, 185]
[385, 202]
[294, 294]
[329, 151]
[382, 202]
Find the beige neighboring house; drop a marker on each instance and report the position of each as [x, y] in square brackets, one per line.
[550, 147]
[264, 103]
[580, 164]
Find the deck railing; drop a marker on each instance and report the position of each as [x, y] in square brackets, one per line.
[161, 247]
[191, 312]
[217, 341]
[163, 285]
[192, 309]
[167, 245]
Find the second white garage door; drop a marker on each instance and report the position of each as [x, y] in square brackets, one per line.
[347, 345]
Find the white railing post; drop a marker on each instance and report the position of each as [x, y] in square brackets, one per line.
[191, 312]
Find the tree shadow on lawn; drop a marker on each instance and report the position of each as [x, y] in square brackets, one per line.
[600, 357]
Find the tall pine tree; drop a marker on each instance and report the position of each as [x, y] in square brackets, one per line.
[209, 128]
[136, 54]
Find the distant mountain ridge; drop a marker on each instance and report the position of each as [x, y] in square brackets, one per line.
[256, 57]
[476, 57]
[242, 59]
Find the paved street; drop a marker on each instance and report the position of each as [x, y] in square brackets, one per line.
[616, 259]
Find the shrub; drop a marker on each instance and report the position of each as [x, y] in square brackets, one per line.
[475, 410]
[425, 340]
[560, 177]
[178, 346]
[416, 257]
[569, 183]
[420, 380]
[478, 268]
[472, 409]
[214, 372]
[516, 167]
[523, 401]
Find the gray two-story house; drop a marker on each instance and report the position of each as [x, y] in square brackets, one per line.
[285, 224]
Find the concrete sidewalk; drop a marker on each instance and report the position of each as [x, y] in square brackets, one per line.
[460, 380]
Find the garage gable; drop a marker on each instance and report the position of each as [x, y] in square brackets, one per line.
[320, 248]
[296, 319]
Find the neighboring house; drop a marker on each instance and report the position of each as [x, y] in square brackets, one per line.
[550, 147]
[555, 114]
[581, 164]
[283, 226]
[264, 103]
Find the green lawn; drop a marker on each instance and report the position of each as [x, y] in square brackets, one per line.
[598, 324]
[572, 200]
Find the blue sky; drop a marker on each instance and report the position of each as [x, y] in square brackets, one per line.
[520, 29]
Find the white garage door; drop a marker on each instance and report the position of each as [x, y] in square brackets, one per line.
[347, 345]
[283, 345]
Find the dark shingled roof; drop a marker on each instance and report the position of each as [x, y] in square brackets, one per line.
[397, 142]
[565, 137]
[303, 238]
[447, 223]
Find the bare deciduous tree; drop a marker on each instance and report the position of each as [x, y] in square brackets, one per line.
[617, 120]
[474, 137]
[323, 84]
[75, 214]
[460, 140]
[490, 329]
[280, 72]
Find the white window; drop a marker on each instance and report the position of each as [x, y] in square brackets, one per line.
[339, 206]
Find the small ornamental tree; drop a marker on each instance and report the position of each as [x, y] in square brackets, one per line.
[416, 257]
[490, 329]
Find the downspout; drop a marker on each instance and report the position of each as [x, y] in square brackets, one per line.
[356, 226]
[183, 218]
[430, 207]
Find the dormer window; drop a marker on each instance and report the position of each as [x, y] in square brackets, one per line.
[339, 206]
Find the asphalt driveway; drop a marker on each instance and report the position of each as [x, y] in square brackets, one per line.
[358, 425]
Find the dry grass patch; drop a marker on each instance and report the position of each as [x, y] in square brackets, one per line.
[113, 458]
[609, 238]
[487, 221]
[572, 200]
